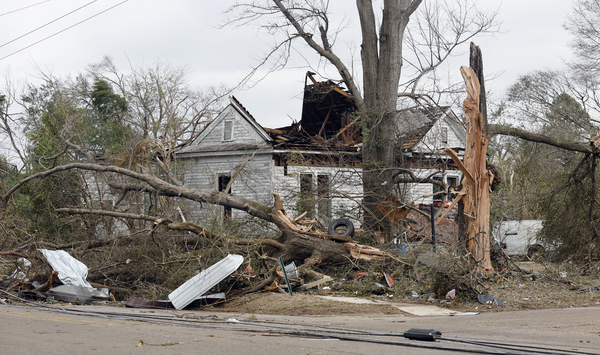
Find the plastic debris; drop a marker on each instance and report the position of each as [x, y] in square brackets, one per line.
[403, 249]
[292, 271]
[21, 271]
[488, 299]
[414, 295]
[388, 280]
[422, 334]
[451, 294]
[465, 314]
[358, 276]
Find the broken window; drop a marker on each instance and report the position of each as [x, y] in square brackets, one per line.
[228, 130]
[223, 182]
[324, 204]
[306, 202]
[452, 187]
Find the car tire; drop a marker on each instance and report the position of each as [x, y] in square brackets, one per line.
[339, 223]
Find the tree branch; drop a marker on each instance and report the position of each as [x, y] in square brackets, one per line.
[164, 188]
[540, 138]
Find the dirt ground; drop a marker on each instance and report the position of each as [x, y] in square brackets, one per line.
[541, 289]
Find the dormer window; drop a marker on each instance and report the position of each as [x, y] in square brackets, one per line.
[227, 130]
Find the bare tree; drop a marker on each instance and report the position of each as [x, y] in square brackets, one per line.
[438, 30]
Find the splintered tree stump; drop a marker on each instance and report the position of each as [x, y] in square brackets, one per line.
[477, 179]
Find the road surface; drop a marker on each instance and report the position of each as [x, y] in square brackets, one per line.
[117, 330]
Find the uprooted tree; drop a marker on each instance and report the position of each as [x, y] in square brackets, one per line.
[297, 242]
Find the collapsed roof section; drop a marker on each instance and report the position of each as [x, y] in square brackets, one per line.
[328, 122]
[414, 123]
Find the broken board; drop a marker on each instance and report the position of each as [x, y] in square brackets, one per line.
[204, 281]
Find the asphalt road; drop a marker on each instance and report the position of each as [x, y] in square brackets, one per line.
[115, 330]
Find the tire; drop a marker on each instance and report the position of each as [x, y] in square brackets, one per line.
[339, 223]
[533, 250]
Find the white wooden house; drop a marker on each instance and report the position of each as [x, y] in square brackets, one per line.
[424, 132]
[315, 163]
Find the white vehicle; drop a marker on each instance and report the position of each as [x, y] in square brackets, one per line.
[518, 237]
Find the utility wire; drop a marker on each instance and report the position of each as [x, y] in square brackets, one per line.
[23, 8]
[44, 25]
[61, 31]
[483, 347]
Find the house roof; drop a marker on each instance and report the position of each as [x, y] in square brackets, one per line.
[329, 122]
[412, 124]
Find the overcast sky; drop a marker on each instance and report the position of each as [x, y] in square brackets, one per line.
[186, 33]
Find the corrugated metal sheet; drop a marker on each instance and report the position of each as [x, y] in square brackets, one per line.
[204, 281]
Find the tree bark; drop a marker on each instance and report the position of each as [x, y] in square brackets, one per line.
[477, 178]
[381, 62]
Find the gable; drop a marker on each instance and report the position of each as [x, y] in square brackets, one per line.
[231, 129]
[438, 132]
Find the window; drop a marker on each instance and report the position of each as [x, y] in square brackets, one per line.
[444, 137]
[452, 187]
[228, 130]
[324, 204]
[223, 182]
[306, 201]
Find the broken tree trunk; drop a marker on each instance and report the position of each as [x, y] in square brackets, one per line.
[477, 178]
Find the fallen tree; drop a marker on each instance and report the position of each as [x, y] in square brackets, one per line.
[297, 241]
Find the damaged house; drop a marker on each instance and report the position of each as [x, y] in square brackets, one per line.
[314, 164]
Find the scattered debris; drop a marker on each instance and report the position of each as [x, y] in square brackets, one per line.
[204, 281]
[388, 280]
[422, 334]
[71, 271]
[451, 294]
[358, 276]
[21, 271]
[135, 302]
[309, 285]
[292, 271]
[80, 294]
[488, 299]
[465, 314]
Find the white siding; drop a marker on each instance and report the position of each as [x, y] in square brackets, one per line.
[253, 182]
[243, 132]
[433, 142]
[345, 187]
[423, 193]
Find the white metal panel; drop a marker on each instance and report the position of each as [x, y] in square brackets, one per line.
[71, 271]
[517, 235]
[204, 281]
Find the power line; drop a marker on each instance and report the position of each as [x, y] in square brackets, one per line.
[23, 8]
[42, 26]
[61, 31]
